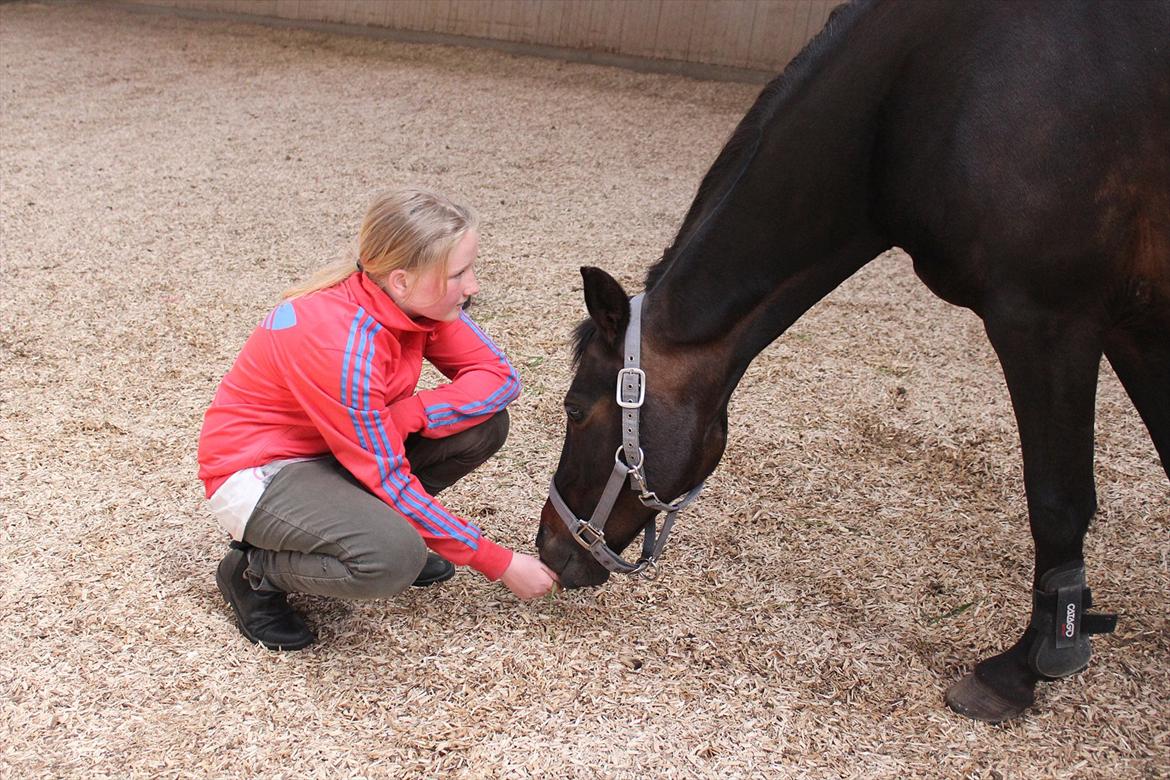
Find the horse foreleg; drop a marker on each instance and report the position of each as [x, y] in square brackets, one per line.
[1051, 371]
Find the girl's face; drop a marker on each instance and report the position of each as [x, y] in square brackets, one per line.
[423, 296]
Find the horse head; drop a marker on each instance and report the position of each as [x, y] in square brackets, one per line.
[682, 424]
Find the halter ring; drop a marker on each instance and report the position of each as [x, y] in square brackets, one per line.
[617, 458]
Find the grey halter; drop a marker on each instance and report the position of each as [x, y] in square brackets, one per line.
[631, 393]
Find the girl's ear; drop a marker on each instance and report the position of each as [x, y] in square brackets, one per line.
[397, 284]
[608, 304]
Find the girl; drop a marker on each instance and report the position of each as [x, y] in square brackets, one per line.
[318, 455]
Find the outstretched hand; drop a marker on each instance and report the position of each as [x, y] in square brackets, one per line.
[528, 578]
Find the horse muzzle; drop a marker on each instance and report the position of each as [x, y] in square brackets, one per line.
[561, 553]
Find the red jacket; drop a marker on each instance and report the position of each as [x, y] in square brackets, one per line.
[335, 372]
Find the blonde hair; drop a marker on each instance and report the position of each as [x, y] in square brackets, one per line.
[410, 228]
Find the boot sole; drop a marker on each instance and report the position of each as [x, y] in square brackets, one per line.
[223, 592]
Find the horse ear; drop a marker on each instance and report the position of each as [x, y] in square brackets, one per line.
[608, 304]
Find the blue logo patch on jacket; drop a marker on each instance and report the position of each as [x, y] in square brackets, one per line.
[282, 317]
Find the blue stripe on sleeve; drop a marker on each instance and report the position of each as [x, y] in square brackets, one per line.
[490, 405]
[349, 370]
[357, 368]
[353, 326]
[483, 337]
[447, 524]
[443, 414]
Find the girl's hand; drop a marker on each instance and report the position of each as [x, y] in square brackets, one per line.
[528, 578]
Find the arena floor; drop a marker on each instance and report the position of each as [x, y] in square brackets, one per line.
[862, 544]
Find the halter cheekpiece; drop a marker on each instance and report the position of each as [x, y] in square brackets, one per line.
[630, 395]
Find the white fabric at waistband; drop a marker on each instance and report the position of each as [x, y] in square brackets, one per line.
[236, 498]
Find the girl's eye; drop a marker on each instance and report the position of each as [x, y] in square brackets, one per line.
[574, 412]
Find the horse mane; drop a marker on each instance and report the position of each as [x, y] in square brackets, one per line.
[741, 147]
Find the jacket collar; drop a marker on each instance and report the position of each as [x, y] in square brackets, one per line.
[367, 294]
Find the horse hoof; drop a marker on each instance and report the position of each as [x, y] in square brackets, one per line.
[973, 698]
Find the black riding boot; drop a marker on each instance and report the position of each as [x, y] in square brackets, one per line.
[434, 570]
[263, 616]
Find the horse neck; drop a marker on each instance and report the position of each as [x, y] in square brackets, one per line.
[789, 217]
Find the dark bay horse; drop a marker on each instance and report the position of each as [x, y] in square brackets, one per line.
[1020, 152]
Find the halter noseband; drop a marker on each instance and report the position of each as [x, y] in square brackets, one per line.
[631, 393]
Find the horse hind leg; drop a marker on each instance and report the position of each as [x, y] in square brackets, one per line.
[1141, 360]
[1051, 367]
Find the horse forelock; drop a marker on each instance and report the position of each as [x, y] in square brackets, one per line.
[739, 150]
[583, 336]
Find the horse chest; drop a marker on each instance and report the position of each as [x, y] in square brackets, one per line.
[956, 282]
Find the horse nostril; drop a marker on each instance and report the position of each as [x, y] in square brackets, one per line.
[540, 537]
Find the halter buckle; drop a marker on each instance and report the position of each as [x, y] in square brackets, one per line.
[637, 387]
[582, 529]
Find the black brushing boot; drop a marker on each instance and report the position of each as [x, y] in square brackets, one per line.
[263, 616]
[1063, 623]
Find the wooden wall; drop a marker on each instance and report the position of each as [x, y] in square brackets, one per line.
[755, 35]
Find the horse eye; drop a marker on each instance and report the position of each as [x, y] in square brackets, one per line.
[574, 412]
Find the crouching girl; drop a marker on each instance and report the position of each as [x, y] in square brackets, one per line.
[320, 456]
